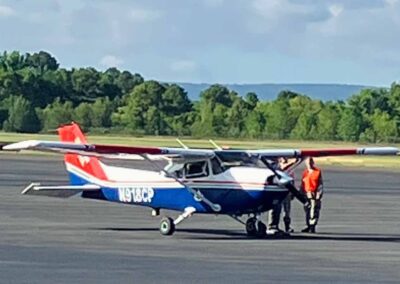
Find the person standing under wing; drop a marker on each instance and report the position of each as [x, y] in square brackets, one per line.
[274, 215]
[312, 186]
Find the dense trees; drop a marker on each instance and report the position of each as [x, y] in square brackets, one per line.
[154, 108]
[37, 95]
[21, 116]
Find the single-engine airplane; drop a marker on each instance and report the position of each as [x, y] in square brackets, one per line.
[201, 181]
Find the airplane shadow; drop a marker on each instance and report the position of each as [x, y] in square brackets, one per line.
[221, 234]
[357, 237]
[195, 234]
[128, 229]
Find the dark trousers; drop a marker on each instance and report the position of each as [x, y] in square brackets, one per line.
[275, 215]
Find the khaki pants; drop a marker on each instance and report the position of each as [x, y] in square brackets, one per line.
[313, 212]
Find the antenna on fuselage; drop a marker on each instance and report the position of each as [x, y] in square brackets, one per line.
[181, 143]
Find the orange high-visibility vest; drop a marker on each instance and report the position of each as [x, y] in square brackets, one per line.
[311, 180]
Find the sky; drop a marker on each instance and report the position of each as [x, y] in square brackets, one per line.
[215, 41]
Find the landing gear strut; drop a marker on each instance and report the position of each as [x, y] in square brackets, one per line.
[167, 224]
[255, 228]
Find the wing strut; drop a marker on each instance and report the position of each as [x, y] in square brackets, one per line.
[184, 146]
[217, 147]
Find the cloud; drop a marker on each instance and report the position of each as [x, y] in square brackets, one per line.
[205, 40]
[274, 16]
[282, 9]
[213, 3]
[183, 66]
[359, 31]
[109, 61]
[391, 2]
[362, 36]
[144, 15]
[336, 9]
[6, 11]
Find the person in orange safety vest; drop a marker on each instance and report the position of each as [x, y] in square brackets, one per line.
[312, 187]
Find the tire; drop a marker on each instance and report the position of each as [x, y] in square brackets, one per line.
[167, 226]
[251, 228]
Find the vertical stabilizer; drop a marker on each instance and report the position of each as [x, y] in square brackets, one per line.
[80, 168]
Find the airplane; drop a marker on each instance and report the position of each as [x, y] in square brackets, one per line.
[218, 181]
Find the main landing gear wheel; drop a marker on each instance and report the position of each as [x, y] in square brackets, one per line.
[251, 228]
[255, 228]
[167, 226]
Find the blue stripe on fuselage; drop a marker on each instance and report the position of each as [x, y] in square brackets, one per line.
[232, 201]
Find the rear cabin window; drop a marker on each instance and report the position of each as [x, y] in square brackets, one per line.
[197, 169]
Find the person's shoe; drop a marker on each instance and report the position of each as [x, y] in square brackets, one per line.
[286, 221]
[273, 230]
[306, 229]
[312, 229]
[287, 227]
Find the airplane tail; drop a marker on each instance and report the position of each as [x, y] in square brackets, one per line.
[81, 169]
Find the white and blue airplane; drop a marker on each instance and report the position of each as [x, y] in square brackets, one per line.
[195, 181]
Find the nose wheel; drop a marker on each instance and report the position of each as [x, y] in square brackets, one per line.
[255, 228]
[167, 226]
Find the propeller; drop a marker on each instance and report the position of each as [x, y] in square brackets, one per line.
[286, 181]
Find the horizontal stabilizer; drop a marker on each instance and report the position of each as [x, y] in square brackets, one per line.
[62, 191]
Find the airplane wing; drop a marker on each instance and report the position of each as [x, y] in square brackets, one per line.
[300, 153]
[106, 151]
[133, 152]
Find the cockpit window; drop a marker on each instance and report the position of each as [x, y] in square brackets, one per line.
[196, 169]
[216, 166]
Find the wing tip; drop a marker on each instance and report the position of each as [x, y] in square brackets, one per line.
[23, 145]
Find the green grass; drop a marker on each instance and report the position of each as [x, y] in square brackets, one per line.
[357, 161]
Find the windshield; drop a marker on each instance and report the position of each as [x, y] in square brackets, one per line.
[239, 159]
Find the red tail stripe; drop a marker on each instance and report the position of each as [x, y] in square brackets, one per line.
[73, 133]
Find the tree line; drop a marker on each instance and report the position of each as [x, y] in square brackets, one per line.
[36, 95]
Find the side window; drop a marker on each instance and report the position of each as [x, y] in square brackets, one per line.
[216, 166]
[196, 169]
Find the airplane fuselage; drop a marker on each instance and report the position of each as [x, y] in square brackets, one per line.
[237, 190]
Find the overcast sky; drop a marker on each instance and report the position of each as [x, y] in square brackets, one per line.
[226, 41]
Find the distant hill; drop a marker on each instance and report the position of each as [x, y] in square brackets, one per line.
[323, 92]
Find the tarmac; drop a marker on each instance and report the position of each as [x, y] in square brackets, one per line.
[50, 240]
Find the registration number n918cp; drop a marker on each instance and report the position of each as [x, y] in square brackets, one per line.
[135, 194]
